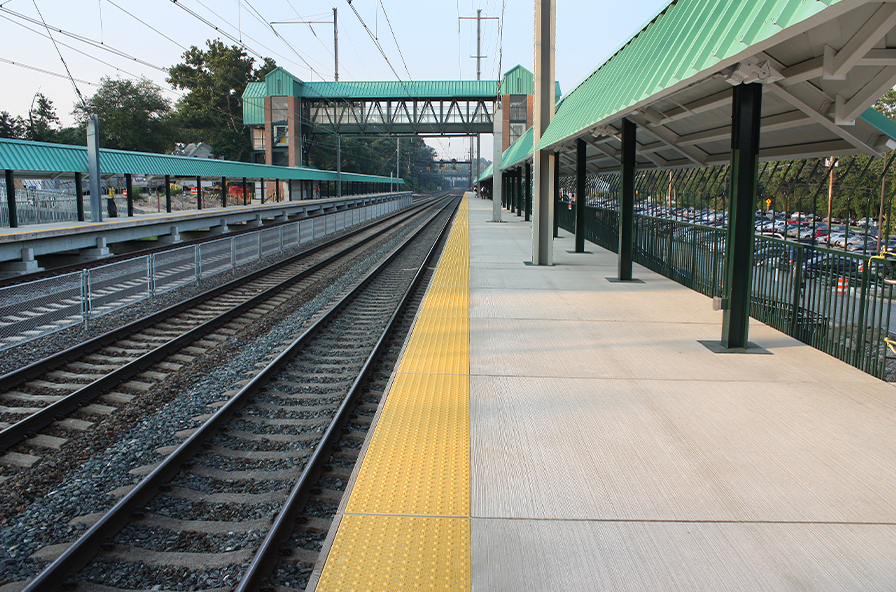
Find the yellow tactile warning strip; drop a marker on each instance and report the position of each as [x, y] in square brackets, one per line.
[407, 521]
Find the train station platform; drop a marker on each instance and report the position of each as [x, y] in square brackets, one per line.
[19, 246]
[549, 430]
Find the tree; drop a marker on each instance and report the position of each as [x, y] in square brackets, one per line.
[212, 110]
[133, 115]
[42, 121]
[11, 127]
[887, 104]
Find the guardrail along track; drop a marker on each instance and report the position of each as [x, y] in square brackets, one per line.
[204, 512]
[120, 366]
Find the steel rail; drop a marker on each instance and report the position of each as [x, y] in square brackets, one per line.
[80, 552]
[28, 426]
[25, 373]
[266, 557]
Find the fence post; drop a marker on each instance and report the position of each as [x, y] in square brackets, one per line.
[859, 351]
[797, 290]
[151, 275]
[85, 297]
[197, 260]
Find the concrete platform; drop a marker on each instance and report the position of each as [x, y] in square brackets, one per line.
[44, 239]
[610, 450]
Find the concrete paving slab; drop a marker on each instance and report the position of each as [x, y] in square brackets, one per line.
[610, 450]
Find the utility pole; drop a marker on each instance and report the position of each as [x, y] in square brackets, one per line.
[336, 42]
[479, 18]
[334, 22]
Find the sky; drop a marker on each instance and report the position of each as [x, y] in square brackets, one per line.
[422, 39]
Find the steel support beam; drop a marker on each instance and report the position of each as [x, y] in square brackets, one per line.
[129, 188]
[244, 190]
[168, 193]
[79, 196]
[527, 186]
[223, 192]
[745, 118]
[11, 199]
[556, 193]
[518, 191]
[198, 193]
[627, 201]
[581, 173]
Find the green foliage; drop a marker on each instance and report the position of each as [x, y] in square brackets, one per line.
[133, 115]
[212, 110]
[42, 121]
[375, 157]
[887, 104]
[11, 127]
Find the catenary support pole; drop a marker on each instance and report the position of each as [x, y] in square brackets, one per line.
[745, 117]
[580, 196]
[542, 190]
[497, 181]
[93, 168]
[627, 201]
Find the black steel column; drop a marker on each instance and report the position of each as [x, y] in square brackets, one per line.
[518, 191]
[11, 199]
[627, 201]
[745, 116]
[79, 196]
[223, 192]
[261, 186]
[580, 195]
[556, 194]
[168, 193]
[504, 195]
[244, 190]
[527, 204]
[128, 186]
[277, 190]
[198, 193]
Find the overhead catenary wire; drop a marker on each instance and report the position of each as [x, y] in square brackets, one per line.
[395, 39]
[42, 71]
[379, 47]
[67, 71]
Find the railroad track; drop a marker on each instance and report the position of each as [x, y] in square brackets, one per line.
[52, 401]
[202, 517]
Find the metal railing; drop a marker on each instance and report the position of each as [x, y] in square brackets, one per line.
[835, 301]
[39, 308]
[36, 206]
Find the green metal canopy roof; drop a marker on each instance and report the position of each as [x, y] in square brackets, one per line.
[687, 37]
[518, 151]
[39, 159]
[822, 64]
[486, 174]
